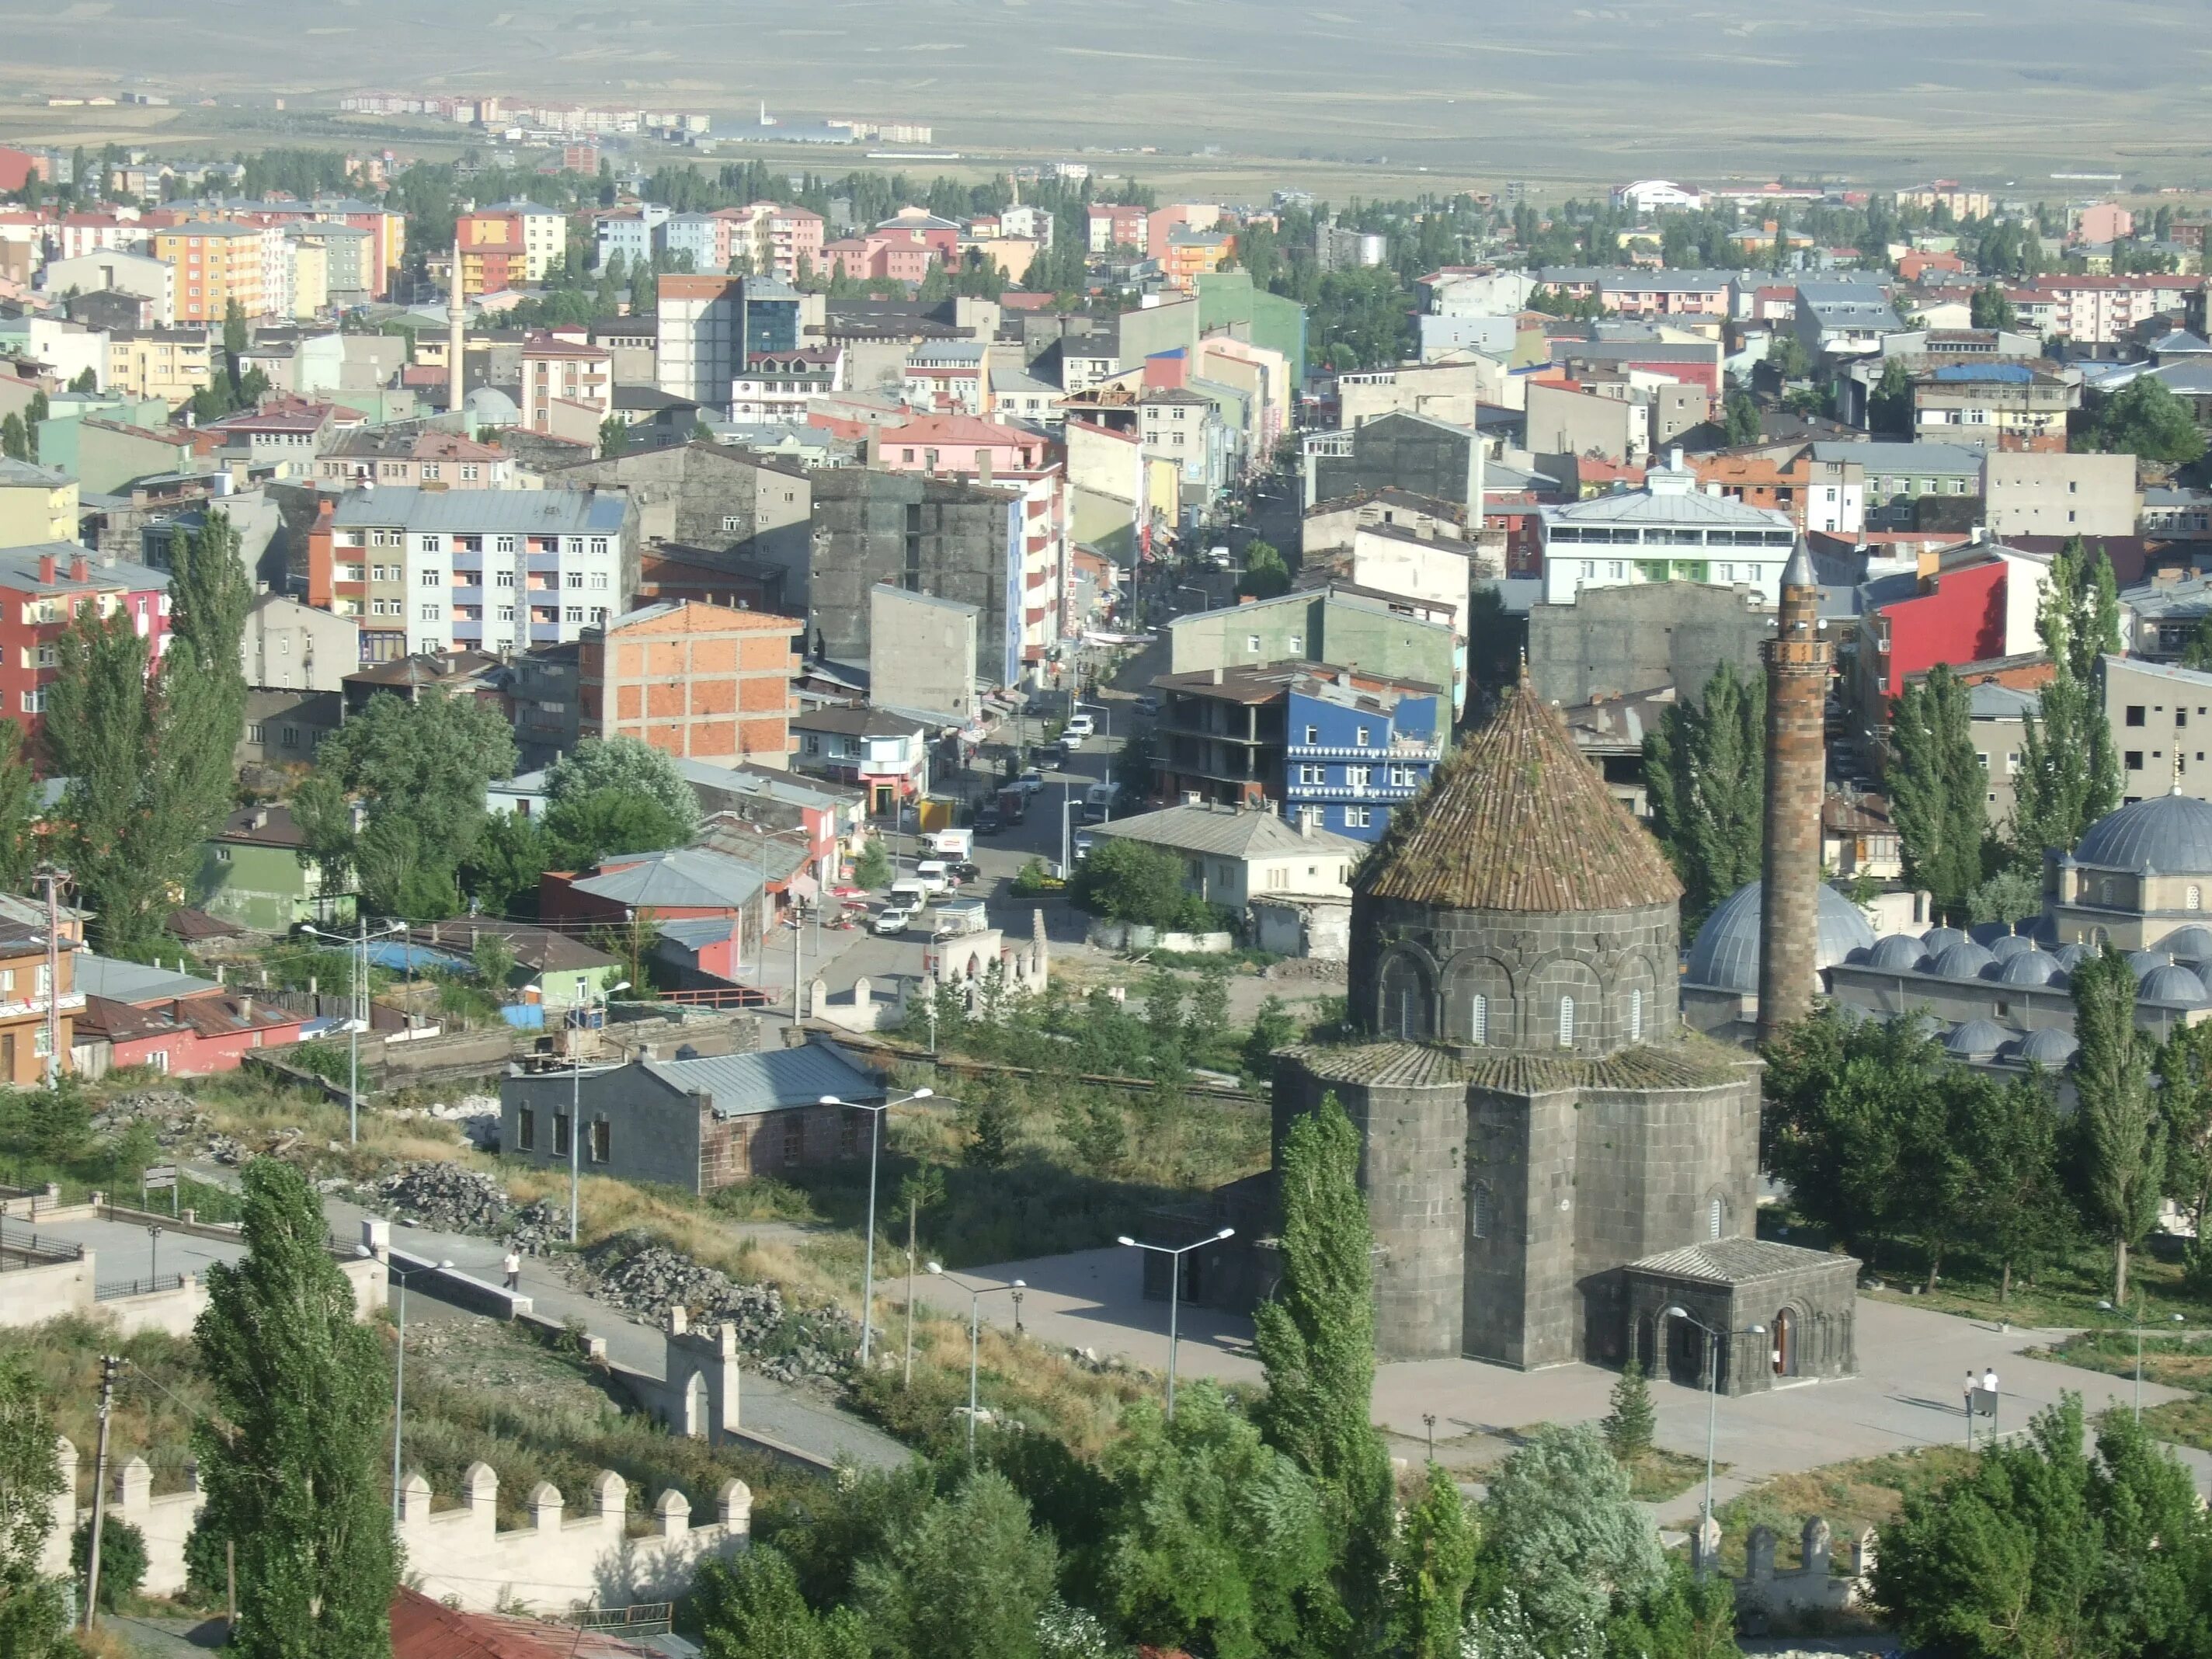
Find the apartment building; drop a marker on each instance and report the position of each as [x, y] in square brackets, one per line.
[389, 455]
[2099, 309]
[42, 588]
[711, 326]
[1634, 291]
[216, 263]
[777, 241]
[700, 682]
[29, 991]
[427, 570]
[949, 377]
[779, 388]
[116, 271]
[558, 371]
[1994, 405]
[2060, 494]
[1668, 531]
[493, 257]
[37, 504]
[1113, 225]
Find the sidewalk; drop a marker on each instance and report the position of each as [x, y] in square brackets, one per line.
[794, 1416]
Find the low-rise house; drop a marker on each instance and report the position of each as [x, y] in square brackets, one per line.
[552, 969]
[1668, 531]
[697, 1124]
[1231, 855]
[410, 456]
[886, 754]
[180, 1036]
[30, 988]
[256, 872]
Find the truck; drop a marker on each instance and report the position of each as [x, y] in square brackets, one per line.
[954, 844]
[1013, 804]
[958, 916]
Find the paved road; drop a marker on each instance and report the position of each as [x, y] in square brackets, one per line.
[1913, 1363]
[125, 1251]
[794, 1416]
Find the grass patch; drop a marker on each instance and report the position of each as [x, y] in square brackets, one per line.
[1659, 1475]
[1851, 1497]
[2176, 1361]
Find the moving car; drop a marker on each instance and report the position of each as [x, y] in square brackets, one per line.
[1029, 782]
[988, 822]
[892, 919]
[1079, 726]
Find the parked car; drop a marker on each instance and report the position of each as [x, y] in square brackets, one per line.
[965, 872]
[1084, 839]
[989, 822]
[1029, 782]
[1148, 704]
[892, 919]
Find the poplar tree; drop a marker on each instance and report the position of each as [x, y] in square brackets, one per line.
[2119, 1161]
[2069, 771]
[33, 1621]
[1436, 1557]
[1705, 770]
[1938, 789]
[1316, 1340]
[291, 1456]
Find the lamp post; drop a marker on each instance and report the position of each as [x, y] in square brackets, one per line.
[1066, 835]
[576, 1071]
[1203, 598]
[1712, 1385]
[976, 1295]
[358, 945]
[399, 1367]
[2176, 1319]
[798, 934]
[1175, 1254]
[154, 1260]
[875, 1151]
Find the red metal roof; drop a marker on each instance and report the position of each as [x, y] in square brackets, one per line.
[423, 1629]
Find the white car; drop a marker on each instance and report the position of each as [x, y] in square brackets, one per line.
[895, 920]
[1079, 726]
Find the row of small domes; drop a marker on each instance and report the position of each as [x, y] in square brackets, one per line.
[2016, 959]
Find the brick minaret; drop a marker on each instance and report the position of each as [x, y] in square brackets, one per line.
[1797, 663]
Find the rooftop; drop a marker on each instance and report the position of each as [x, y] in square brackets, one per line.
[739, 1086]
[1225, 832]
[477, 512]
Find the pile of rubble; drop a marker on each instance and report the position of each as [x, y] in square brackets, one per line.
[788, 1344]
[172, 1115]
[477, 1117]
[446, 1197]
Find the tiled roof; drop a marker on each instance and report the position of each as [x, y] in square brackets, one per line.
[1517, 819]
[1734, 1260]
[1693, 1063]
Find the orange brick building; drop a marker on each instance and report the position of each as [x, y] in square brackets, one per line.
[703, 682]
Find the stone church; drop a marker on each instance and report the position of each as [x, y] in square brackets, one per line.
[1550, 1161]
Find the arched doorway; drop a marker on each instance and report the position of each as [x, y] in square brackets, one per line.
[1685, 1354]
[1785, 1342]
[695, 1408]
[1647, 1343]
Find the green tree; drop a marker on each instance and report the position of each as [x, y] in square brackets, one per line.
[32, 1617]
[85, 381]
[20, 810]
[2010, 895]
[2119, 1149]
[991, 1125]
[1705, 770]
[1315, 1340]
[1265, 574]
[1434, 1563]
[233, 331]
[1562, 1532]
[1134, 881]
[2040, 1551]
[420, 768]
[1273, 1027]
[1214, 1540]
[14, 443]
[1741, 422]
[2144, 419]
[627, 764]
[1133, 771]
[128, 846]
[121, 1559]
[1629, 1426]
[2070, 768]
[582, 829]
[290, 1454]
[493, 961]
[750, 1607]
[1889, 404]
[2017, 1203]
[872, 868]
[2184, 1065]
[1991, 309]
[967, 1580]
[510, 855]
[614, 437]
[1938, 789]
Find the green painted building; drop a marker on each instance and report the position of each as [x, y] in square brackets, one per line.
[255, 872]
[1384, 635]
[1229, 299]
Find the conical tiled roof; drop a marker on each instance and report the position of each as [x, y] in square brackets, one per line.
[1515, 819]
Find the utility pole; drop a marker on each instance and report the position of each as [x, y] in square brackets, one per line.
[913, 1212]
[52, 878]
[110, 1367]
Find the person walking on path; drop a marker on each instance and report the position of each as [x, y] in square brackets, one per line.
[511, 1265]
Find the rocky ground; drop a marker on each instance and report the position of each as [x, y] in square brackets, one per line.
[446, 1198]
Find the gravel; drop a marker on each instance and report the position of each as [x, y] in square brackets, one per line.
[446, 1197]
[786, 1343]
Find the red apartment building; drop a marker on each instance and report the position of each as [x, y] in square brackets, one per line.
[1913, 621]
[41, 589]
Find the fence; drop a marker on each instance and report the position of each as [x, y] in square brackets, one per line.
[33, 1251]
[115, 1290]
[645, 1618]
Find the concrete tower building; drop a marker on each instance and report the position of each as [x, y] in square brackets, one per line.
[1798, 665]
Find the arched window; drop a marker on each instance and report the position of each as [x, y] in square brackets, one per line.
[1478, 1022]
[1567, 1022]
[1636, 1016]
[1478, 1210]
[1716, 1217]
[2194, 899]
[1405, 997]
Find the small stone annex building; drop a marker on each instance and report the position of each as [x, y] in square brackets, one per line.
[1552, 1160]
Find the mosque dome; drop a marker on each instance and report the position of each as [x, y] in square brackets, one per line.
[2070, 956]
[2051, 1047]
[1898, 953]
[1965, 960]
[2189, 943]
[1937, 940]
[2029, 968]
[2147, 963]
[2173, 984]
[2171, 835]
[1976, 1039]
[2005, 946]
[1725, 954]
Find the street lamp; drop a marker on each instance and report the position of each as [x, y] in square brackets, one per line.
[2174, 1318]
[1712, 1385]
[359, 946]
[399, 1367]
[1067, 833]
[1203, 598]
[976, 1295]
[576, 1071]
[153, 1258]
[875, 1148]
[1174, 1255]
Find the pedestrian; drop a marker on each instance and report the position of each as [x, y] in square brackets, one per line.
[511, 1265]
[1990, 1381]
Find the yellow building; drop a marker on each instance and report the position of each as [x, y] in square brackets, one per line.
[38, 504]
[215, 263]
[310, 274]
[168, 363]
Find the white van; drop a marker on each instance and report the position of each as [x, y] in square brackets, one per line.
[911, 895]
[934, 874]
[952, 844]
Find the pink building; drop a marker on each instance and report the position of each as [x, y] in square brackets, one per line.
[1116, 225]
[881, 256]
[80, 233]
[940, 236]
[2102, 222]
[564, 371]
[779, 242]
[1181, 216]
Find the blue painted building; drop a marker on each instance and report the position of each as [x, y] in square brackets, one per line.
[1355, 753]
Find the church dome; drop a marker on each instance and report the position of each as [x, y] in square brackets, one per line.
[1964, 960]
[2171, 835]
[1976, 1039]
[2189, 943]
[2173, 984]
[1515, 819]
[1725, 954]
[2029, 968]
[1898, 953]
[2051, 1047]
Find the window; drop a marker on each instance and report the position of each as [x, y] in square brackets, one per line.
[599, 614]
[506, 613]
[289, 737]
[433, 613]
[503, 579]
[432, 579]
[1356, 818]
[560, 1130]
[599, 582]
[1716, 1218]
[34, 702]
[794, 1138]
[255, 732]
[602, 1142]
[1252, 642]
[2134, 716]
[1313, 734]
[1636, 1016]
[2194, 899]
[1362, 737]
[525, 1130]
[1358, 776]
[575, 613]
[1567, 1022]
[574, 579]
[1477, 1025]
[1477, 1206]
[2133, 759]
